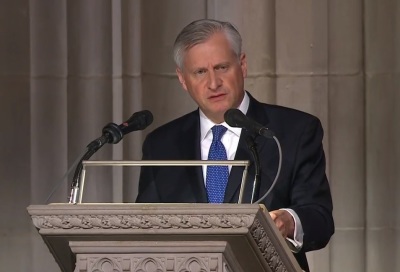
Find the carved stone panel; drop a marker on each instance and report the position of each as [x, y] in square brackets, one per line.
[201, 262]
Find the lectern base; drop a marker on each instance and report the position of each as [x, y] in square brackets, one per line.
[213, 256]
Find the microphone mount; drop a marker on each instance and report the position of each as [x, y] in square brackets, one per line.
[236, 118]
[257, 178]
[111, 133]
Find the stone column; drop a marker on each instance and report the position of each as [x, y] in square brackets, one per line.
[15, 135]
[48, 114]
[132, 91]
[347, 134]
[382, 189]
[302, 71]
[89, 90]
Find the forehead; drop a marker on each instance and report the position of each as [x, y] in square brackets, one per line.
[214, 50]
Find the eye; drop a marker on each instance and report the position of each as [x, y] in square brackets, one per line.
[222, 67]
[200, 72]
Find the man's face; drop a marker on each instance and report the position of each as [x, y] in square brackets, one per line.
[214, 76]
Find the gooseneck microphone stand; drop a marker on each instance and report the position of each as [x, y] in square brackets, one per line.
[278, 171]
[78, 177]
[257, 178]
[112, 133]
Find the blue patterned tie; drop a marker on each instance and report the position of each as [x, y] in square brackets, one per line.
[217, 175]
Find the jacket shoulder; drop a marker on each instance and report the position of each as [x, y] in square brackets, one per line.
[181, 123]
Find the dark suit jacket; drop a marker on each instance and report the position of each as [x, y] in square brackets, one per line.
[302, 184]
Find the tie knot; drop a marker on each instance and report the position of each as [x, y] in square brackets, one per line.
[218, 131]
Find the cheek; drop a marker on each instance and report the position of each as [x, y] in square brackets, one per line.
[192, 91]
[196, 86]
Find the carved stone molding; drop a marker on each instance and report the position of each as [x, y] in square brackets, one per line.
[266, 247]
[176, 221]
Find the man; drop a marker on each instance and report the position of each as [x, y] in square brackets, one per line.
[212, 68]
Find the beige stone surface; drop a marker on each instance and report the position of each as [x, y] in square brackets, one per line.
[169, 237]
[67, 68]
[347, 178]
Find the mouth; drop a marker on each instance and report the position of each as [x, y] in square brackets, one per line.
[217, 97]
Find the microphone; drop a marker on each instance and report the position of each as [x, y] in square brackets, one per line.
[138, 121]
[236, 118]
[113, 133]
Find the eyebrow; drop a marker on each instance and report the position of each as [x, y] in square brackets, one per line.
[222, 64]
[225, 63]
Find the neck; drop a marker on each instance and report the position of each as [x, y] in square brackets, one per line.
[218, 119]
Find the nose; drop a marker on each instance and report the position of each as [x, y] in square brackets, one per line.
[214, 81]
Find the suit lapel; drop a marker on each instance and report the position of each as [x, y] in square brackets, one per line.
[190, 148]
[235, 177]
[256, 113]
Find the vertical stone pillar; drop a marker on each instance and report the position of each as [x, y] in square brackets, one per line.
[381, 53]
[302, 68]
[48, 115]
[132, 90]
[347, 134]
[117, 97]
[89, 88]
[302, 56]
[48, 39]
[396, 120]
[15, 136]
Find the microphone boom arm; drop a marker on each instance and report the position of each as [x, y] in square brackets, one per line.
[257, 178]
[76, 181]
[277, 172]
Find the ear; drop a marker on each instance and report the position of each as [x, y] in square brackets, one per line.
[243, 64]
[181, 78]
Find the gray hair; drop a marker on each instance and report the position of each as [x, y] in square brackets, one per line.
[201, 30]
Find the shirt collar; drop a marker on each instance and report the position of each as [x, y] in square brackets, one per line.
[206, 124]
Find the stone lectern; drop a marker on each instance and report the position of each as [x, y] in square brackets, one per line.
[162, 238]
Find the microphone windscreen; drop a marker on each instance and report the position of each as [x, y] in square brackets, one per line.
[235, 118]
[138, 121]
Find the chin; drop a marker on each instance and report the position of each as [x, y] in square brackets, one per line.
[221, 109]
